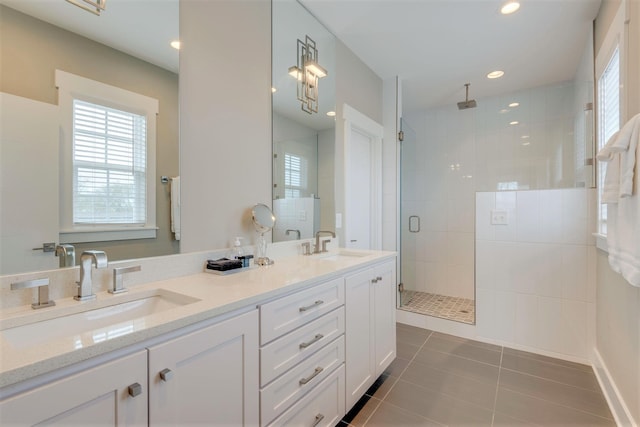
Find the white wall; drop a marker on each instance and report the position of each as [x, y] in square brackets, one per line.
[535, 276]
[225, 119]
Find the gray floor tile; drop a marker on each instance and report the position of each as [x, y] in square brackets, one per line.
[548, 359]
[501, 420]
[552, 371]
[437, 406]
[382, 386]
[390, 415]
[396, 367]
[464, 349]
[468, 341]
[413, 336]
[542, 412]
[361, 411]
[406, 351]
[561, 394]
[470, 390]
[458, 365]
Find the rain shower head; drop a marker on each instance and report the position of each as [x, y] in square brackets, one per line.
[467, 103]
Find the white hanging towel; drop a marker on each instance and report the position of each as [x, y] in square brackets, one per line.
[175, 206]
[623, 199]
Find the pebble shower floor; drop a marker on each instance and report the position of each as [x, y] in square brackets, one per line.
[446, 307]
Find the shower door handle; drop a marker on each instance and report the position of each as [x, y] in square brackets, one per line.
[414, 224]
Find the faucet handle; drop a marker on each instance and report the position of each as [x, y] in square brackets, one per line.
[306, 248]
[43, 291]
[324, 245]
[118, 282]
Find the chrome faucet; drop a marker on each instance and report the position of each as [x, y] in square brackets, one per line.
[87, 259]
[316, 249]
[67, 255]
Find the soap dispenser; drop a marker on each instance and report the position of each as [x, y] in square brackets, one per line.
[236, 250]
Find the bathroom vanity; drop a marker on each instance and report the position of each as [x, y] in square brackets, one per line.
[298, 342]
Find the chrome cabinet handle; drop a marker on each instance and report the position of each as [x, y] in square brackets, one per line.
[135, 389]
[317, 338]
[166, 375]
[378, 278]
[315, 373]
[319, 418]
[374, 280]
[311, 306]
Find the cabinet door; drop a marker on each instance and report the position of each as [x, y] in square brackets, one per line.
[359, 332]
[97, 397]
[384, 296]
[207, 377]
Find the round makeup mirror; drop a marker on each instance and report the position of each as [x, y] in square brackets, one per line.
[263, 220]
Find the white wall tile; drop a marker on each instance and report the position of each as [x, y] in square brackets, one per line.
[551, 215]
[550, 334]
[485, 202]
[573, 327]
[574, 277]
[505, 315]
[526, 326]
[550, 271]
[528, 213]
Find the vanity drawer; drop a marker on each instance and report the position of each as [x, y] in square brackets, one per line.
[323, 407]
[298, 381]
[284, 353]
[287, 313]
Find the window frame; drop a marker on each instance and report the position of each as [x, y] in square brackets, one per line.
[72, 87]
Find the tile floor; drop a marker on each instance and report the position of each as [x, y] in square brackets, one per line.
[446, 307]
[442, 380]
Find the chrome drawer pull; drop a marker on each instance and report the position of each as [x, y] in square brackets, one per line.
[315, 373]
[319, 418]
[166, 375]
[134, 389]
[318, 337]
[312, 305]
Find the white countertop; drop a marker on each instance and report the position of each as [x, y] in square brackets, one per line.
[21, 358]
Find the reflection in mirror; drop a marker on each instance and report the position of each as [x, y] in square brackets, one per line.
[264, 221]
[303, 142]
[127, 46]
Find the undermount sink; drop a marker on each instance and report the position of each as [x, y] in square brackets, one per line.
[92, 322]
[342, 255]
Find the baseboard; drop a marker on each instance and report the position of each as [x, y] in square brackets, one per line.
[619, 409]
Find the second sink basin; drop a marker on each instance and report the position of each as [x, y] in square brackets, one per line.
[342, 255]
[92, 322]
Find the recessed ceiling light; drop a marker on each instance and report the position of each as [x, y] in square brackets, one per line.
[495, 74]
[515, 122]
[331, 113]
[525, 137]
[273, 90]
[514, 104]
[503, 111]
[509, 7]
[526, 143]
[175, 44]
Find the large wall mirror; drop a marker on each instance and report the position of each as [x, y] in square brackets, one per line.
[303, 141]
[126, 46]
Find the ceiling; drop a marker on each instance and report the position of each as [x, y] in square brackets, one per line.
[436, 46]
[141, 28]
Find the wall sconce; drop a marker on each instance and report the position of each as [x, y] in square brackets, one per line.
[93, 6]
[307, 72]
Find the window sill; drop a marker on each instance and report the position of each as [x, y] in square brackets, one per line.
[107, 234]
[601, 242]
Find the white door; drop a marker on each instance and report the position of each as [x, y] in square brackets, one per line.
[28, 183]
[113, 394]
[359, 203]
[363, 181]
[207, 377]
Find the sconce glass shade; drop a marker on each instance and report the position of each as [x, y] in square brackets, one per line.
[307, 72]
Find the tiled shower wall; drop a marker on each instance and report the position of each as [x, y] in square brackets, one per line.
[535, 276]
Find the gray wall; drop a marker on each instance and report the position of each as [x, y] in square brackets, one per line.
[30, 52]
[225, 119]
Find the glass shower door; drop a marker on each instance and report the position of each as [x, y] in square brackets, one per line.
[409, 219]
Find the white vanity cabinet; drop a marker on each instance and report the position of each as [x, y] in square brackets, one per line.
[370, 327]
[111, 394]
[302, 336]
[207, 377]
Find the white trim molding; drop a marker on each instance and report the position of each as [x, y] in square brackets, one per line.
[617, 405]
